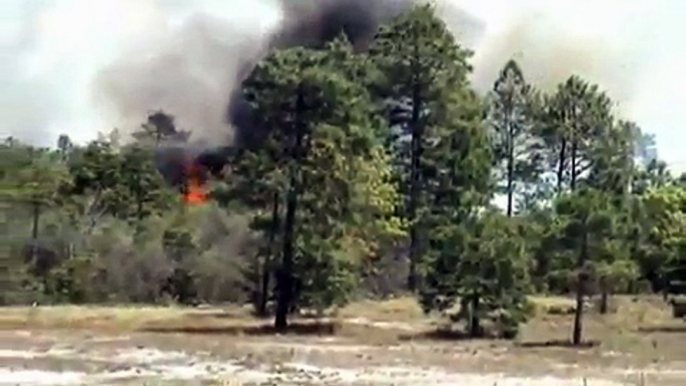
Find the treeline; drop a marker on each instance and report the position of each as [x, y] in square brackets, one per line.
[382, 172]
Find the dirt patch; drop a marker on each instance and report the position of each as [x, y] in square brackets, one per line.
[142, 365]
[665, 329]
[373, 334]
[168, 359]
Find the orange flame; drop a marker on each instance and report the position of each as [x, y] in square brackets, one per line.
[194, 191]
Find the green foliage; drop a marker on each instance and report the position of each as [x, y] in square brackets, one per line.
[512, 115]
[574, 119]
[661, 255]
[317, 160]
[428, 60]
[72, 281]
[421, 86]
[370, 160]
[158, 128]
[119, 182]
[30, 175]
[489, 277]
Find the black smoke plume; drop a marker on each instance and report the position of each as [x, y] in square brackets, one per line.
[306, 23]
[313, 23]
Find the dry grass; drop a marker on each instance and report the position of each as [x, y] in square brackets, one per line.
[634, 336]
[548, 304]
[401, 309]
[640, 326]
[95, 317]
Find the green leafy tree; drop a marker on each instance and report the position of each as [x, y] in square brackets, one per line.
[148, 194]
[512, 118]
[644, 145]
[96, 184]
[588, 234]
[123, 183]
[612, 172]
[494, 276]
[256, 183]
[613, 166]
[158, 128]
[460, 185]
[442, 154]
[615, 273]
[661, 254]
[64, 145]
[33, 179]
[319, 121]
[419, 67]
[577, 117]
[653, 175]
[489, 277]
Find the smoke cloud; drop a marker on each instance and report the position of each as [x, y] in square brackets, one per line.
[553, 42]
[192, 73]
[84, 66]
[195, 73]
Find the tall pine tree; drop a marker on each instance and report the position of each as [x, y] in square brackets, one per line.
[321, 135]
[421, 68]
[511, 117]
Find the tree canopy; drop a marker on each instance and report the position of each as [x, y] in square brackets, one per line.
[380, 173]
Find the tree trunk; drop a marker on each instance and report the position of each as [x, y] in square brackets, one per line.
[34, 246]
[474, 321]
[139, 206]
[264, 288]
[412, 279]
[580, 287]
[285, 274]
[34, 232]
[266, 264]
[562, 157]
[415, 179]
[510, 168]
[574, 151]
[574, 156]
[578, 314]
[603, 296]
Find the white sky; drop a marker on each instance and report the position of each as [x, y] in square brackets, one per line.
[639, 54]
[50, 50]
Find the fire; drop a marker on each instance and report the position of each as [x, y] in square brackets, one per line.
[193, 189]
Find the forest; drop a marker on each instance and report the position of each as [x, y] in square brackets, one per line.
[379, 173]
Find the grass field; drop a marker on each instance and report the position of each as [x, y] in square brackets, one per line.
[639, 333]
[641, 325]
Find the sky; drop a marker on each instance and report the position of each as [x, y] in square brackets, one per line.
[61, 58]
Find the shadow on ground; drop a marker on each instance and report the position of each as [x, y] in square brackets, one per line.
[441, 334]
[559, 344]
[316, 329]
[665, 329]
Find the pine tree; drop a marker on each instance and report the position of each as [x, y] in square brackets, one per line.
[512, 118]
[578, 117]
[34, 183]
[320, 135]
[493, 276]
[419, 67]
[588, 233]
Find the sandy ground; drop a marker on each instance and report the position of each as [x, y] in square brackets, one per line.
[71, 358]
[367, 343]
